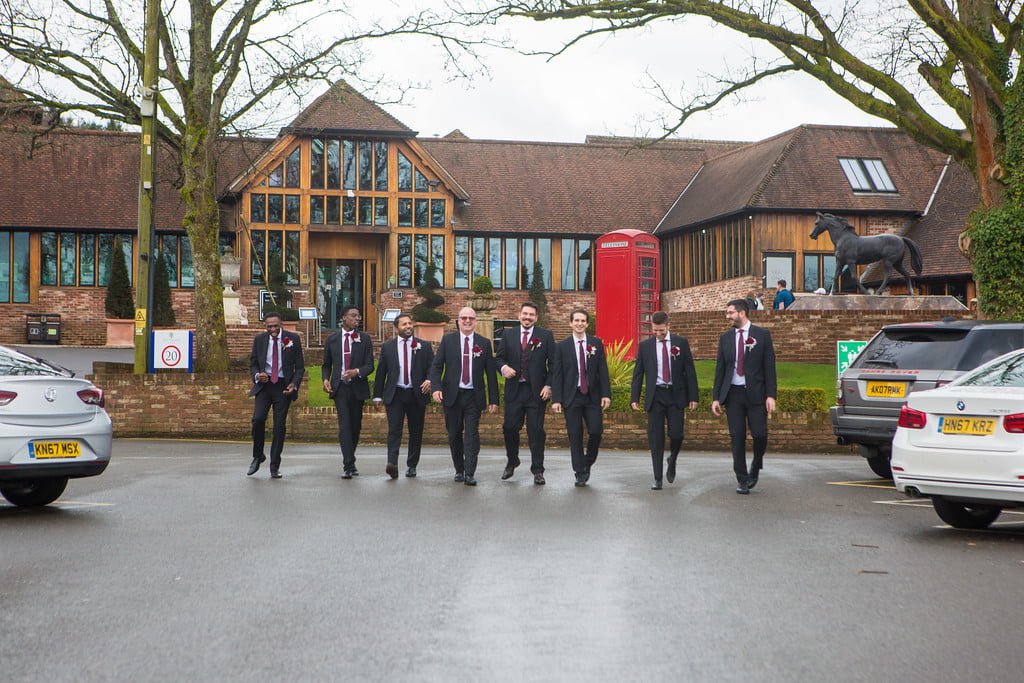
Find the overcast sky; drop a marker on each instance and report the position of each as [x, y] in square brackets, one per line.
[600, 86]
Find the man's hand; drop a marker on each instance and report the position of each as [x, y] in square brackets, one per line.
[605, 403]
[327, 386]
[634, 405]
[693, 405]
[493, 408]
[716, 408]
[507, 372]
[350, 374]
[769, 405]
[290, 389]
[262, 377]
[438, 396]
[556, 407]
[545, 393]
[425, 387]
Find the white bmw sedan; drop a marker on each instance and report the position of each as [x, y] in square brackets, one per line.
[962, 444]
[52, 428]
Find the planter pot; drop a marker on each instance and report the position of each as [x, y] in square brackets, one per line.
[120, 333]
[290, 325]
[483, 303]
[431, 332]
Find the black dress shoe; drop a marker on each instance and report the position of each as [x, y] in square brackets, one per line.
[355, 472]
[656, 486]
[742, 488]
[255, 465]
[347, 474]
[392, 471]
[581, 480]
[752, 480]
[274, 474]
[538, 479]
[411, 472]
[470, 481]
[507, 474]
[586, 475]
[671, 473]
[459, 476]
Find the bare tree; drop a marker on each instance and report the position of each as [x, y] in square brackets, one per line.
[900, 60]
[224, 66]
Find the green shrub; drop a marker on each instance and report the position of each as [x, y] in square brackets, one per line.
[426, 311]
[163, 311]
[482, 285]
[119, 303]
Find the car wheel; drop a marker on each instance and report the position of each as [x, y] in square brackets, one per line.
[30, 494]
[878, 460]
[964, 516]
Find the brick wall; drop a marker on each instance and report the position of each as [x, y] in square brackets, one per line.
[712, 296]
[217, 406]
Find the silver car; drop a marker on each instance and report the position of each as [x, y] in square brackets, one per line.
[52, 428]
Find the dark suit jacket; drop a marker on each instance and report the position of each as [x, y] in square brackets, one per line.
[758, 366]
[540, 358]
[565, 374]
[446, 370]
[293, 367]
[362, 359]
[684, 375]
[389, 370]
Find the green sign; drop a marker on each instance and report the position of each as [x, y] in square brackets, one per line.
[846, 351]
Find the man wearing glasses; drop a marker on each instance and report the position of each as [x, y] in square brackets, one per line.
[348, 361]
[462, 365]
[277, 368]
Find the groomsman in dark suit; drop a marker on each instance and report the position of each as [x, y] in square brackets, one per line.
[665, 363]
[524, 358]
[461, 367]
[348, 361]
[745, 383]
[277, 369]
[401, 383]
[580, 388]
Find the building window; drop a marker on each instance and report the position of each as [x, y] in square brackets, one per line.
[334, 164]
[275, 208]
[291, 208]
[421, 182]
[292, 168]
[380, 166]
[720, 251]
[348, 211]
[404, 213]
[404, 173]
[316, 209]
[461, 262]
[437, 209]
[568, 264]
[365, 210]
[276, 251]
[437, 255]
[423, 213]
[316, 163]
[14, 267]
[867, 175]
[405, 260]
[819, 271]
[585, 264]
[365, 165]
[380, 211]
[69, 259]
[333, 213]
[511, 263]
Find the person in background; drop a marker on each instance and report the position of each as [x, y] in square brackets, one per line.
[783, 297]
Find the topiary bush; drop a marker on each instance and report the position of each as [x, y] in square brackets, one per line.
[119, 303]
[426, 311]
[163, 311]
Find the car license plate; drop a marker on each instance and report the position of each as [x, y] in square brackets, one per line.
[975, 426]
[54, 449]
[887, 389]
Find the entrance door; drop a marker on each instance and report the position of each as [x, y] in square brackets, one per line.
[339, 283]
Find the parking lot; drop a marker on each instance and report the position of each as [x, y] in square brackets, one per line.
[174, 565]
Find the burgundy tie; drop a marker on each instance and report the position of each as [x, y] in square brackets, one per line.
[739, 352]
[666, 367]
[275, 363]
[526, 336]
[465, 360]
[405, 357]
[347, 352]
[584, 382]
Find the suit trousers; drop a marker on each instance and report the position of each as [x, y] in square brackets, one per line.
[463, 423]
[405, 406]
[740, 413]
[350, 423]
[584, 409]
[271, 395]
[531, 410]
[663, 410]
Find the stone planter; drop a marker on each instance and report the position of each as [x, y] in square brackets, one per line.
[431, 332]
[120, 333]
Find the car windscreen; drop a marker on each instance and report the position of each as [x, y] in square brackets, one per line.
[916, 349]
[1008, 372]
[14, 363]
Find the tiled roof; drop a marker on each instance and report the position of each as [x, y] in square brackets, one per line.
[538, 187]
[342, 108]
[937, 232]
[799, 170]
[89, 179]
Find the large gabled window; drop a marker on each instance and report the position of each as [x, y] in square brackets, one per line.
[867, 175]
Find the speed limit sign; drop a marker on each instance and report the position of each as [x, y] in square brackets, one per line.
[171, 350]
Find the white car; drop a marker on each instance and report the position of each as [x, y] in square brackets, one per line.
[962, 445]
[52, 428]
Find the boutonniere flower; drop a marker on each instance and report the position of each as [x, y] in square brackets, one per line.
[477, 351]
[749, 344]
[355, 338]
[591, 349]
[414, 345]
[674, 351]
[535, 343]
[286, 343]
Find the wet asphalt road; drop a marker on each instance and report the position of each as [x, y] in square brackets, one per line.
[175, 566]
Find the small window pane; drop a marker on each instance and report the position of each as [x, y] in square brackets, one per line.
[811, 281]
[333, 213]
[527, 268]
[291, 208]
[420, 258]
[292, 169]
[584, 264]
[275, 179]
[568, 264]
[365, 210]
[256, 256]
[348, 211]
[105, 246]
[422, 213]
[169, 250]
[87, 260]
[48, 258]
[494, 260]
[437, 213]
[188, 277]
[828, 271]
[462, 262]
[333, 164]
[316, 163]
[405, 260]
[879, 176]
[275, 208]
[291, 267]
[421, 182]
[511, 263]
[275, 252]
[544, 256]
[479, 258]
[380, 166]
[5, 265]
[404, 213]
[20, 272]
[365, 166]
[316, 209]
[380, 211]
[854, 174]
[350, 164]
[404, 173]
[257, 208]
[68, 259]
[437, 256]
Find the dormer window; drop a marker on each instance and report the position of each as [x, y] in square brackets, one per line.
[867, 175]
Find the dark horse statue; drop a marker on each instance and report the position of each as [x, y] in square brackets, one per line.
[852, 249]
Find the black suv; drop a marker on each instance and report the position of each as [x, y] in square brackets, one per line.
[904, 358]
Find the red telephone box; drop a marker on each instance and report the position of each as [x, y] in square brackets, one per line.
[628, 269]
